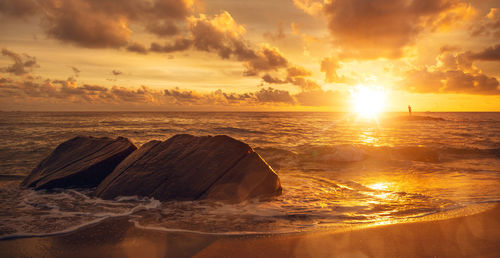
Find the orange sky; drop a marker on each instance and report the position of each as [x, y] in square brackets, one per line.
[437, 55]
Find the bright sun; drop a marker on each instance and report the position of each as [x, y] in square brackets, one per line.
[368, 101]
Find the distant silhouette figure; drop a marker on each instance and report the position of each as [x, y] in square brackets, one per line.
[409, 109]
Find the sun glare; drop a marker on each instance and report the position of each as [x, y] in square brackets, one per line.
[368, 101]
[379, 186]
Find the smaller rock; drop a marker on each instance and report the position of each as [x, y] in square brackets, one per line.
[79, 162]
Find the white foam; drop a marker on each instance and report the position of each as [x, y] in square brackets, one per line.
[67, 230]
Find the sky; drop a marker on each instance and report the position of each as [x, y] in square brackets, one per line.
[259, 55]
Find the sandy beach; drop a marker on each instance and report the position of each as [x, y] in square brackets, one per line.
[476, 235]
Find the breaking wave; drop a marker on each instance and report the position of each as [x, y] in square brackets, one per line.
[27, 213]
[335, 154]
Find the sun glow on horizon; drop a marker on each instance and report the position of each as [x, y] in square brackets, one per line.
[368, 101]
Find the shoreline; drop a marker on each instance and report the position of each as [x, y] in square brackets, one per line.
[470, 235]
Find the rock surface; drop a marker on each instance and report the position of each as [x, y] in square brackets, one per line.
[186, 167]
[79, 162]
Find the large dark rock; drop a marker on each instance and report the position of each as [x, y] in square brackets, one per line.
[79, 162]
[186, 167]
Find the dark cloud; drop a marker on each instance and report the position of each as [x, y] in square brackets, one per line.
[304, 84]
[273, 80]
[18, 8]
[69, 91]
[449, 48]
[295, 75]
[182, 96]
[297, 71]
[137, 47]
[163, 28]
[23, 63]
[116, 72]
[274, 95]
[488, 54]
[454, 73]
[81, 23]
[75, 70]
[140, 95]
[102, 24]
[380, 28]
[267, 59]
[218, 97]
[178, 45]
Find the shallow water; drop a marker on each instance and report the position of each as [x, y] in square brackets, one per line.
[336, 170]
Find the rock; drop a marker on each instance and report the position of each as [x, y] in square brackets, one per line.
[187, 167]
[79, 162]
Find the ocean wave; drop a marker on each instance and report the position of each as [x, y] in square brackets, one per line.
[338, 154]
[236, 130]
[28, 213]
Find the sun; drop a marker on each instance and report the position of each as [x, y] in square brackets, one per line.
[368, 101]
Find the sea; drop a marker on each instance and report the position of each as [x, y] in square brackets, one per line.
[338, 170]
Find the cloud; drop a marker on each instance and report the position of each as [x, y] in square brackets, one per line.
[68, 91]
[75, 70]
[273, 80]
[377, 28]
[116, 72]
[182, 96]
[61, 92]
[223, 36]
[297, 71]
[267, 59]
[178, 45]
[311, 7]
[330, 66]
[106, 24]
[279, 35]
[218, 97]
[488, 54]
[220, 34]
[102, 24]
[320, 98]
[295, 75]
[489, 25]
[453, 73]
[22, 63]
[274, 95]
[18, 8]
[140, 95]
[304, 84]
[81, 23]
[137, 47]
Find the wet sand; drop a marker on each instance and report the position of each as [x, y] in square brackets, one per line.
[475, 235]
